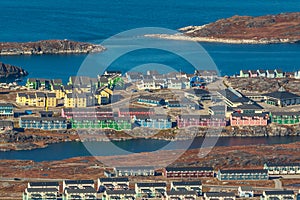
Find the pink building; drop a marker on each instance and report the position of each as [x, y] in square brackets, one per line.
[249, 119]
[252, 73]
[200, 120]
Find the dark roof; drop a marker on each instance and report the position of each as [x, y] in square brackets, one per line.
[253, 106]
[244, 171]
[88, 110]
[68, 87]
[234, 96]
[6, 105]
[282, 95]
[131, 109]
[44, 118]
[285, 113]
[237, 114]
[159, 184]
[117, 192]
[56, 87]
[41, 190]
[79, 182]
[246, 188]
[113, 179]
[187, 183]
[135, 168]
[282, 192]
[198, 92]
[261, 71]
[189, 169]
[282, 164]
[43, 184]
[40, 94]
[151, 98]
[153, 117]
[51, 95]
[173, 192]
[81, 190]
[4, 123]
[22, 95]
[220, 194]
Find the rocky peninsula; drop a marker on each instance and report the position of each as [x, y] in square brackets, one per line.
[280, 28]
[10, 71]
[48, 47]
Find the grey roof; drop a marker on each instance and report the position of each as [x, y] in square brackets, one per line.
[152, 184]
[73, 182]
[198, 92]
[135, 168]
[253, 106]
[6, 105]
[132, 109]
[173, 192]
[285, 113]
[81, 190]
[4, 123]
[51, 95]
[283, 192]
[40, 94]
[56, 87]
[151, 98]
[43, 184]
[237, 114]
[113, 179]
[282, 95]
[246, 188]
[22, 95]
[118, 192]
[30, 190]
[189, 169]
[220, 194]
[195, 183]
[43, 118]
[234, 96]
[282, 164]
[244, 171]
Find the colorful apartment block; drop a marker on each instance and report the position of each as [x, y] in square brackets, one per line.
[249, 119]
[285, 118]
[6, 109]
[200, 120]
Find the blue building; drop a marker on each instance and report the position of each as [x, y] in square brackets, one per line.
[45, 123]
[243, 174]
[6, 109]
[153, 121]
[151, 100]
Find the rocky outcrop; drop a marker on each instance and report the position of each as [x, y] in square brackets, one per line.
[10, 71]
[281, 28]
[48, 47]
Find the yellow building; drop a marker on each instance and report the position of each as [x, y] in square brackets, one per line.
[81, 101]
[40, 99]
[59, 93]
[103, 95]
[70, 101]
[21, 99]
[51, 100]
[68, 89]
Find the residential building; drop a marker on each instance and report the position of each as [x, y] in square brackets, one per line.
[248, 119]
[134, 111]
[86, 193]
[151, 100]
[174, 84]
[21, 99]
[208, 75]
[78, 184]
[50, 184]
[40, 193]
[297, 74]
[6, 109]
[153, 121]
[219, 196]
[278, 195]
[51, 100]
[52, 123]
[282, 169]
[198, 94]
[40, 99]
[150, 189]
[134, 76]
[218, 110]
[103, 95]
[56, 82]
[249, 108]
[243, 174]
[116, 123]
[113, 184]
[270, 74]
[279, 73]
[6, 125]
[200, 120]
[181, 194]
[252, 73]
[261, 73]
[188, 172]
[285, 118]
[195, 186]
[31, 99]
[46, 113]
[82, 113]
[135, 171]
[148, 84]
[282, 98]
[33, 83]
[244, 74]
[245, 191]
[119, 194]
[58, 90]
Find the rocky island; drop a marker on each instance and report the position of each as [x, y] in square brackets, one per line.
[48, 47]
[280, 28]
[10, 71]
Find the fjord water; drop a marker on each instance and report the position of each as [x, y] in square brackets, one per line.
[94, 21]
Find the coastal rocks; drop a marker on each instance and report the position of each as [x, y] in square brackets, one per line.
[281, 28]
[10, 71]
[48, 47]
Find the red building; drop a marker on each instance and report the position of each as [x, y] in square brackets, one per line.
[188, 172]
[200, 120]
[135, 111]
[80, 113]
[249, 119]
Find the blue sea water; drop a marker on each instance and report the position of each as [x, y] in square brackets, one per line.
[96, 20]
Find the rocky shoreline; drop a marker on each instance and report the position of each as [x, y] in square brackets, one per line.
[269, 29]
[10, 71]
[48, 47]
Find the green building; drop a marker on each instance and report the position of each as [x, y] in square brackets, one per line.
[285, 118]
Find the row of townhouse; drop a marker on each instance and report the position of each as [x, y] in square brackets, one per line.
[6, 109]
[6, 125]
[277, 73]
[68, 96]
